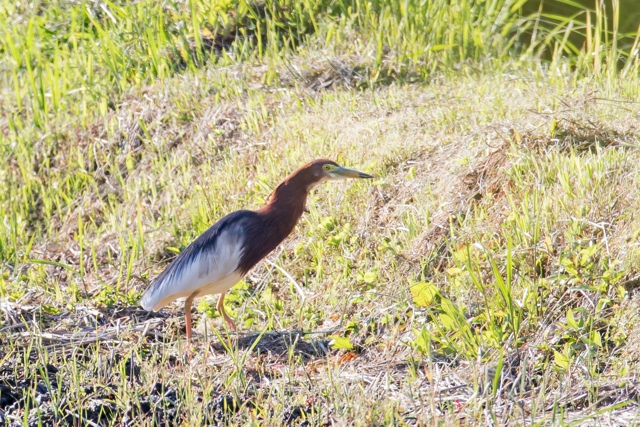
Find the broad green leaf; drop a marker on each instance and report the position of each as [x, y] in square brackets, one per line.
[341, 342]
[448, 322]
[423, 293]
[571, 270]
[454, 271]
[561, 360]
[571, 321]
[595, 339]
[423, 340]
[370, 277]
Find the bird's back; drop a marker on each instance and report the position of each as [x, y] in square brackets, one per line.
[208, 265]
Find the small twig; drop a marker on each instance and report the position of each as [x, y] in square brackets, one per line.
[14, 326]
[89, 337]
[450, 389]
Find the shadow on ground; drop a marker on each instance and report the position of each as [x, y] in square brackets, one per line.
[279, 344]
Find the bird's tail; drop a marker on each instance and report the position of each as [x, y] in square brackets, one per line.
[151, 298]
[155, 296]
[147, 299]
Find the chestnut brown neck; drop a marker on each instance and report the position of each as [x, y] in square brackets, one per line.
[276, 219]
[287, 202]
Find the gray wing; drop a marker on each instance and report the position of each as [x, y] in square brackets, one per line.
[207, 265]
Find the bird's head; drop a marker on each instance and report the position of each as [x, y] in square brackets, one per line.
[324, 170]
[295, 187]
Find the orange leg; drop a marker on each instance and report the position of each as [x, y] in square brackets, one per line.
[187, 313]
[220, 308]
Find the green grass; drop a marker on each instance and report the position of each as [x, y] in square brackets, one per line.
[489, 272]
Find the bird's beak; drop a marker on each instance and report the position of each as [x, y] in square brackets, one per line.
[341, 172]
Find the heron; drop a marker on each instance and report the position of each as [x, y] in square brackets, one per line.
[221, 256]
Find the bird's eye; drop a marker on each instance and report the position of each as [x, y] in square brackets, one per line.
[327, 168]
